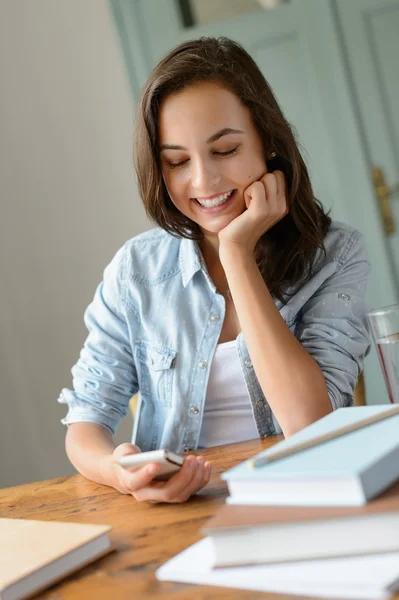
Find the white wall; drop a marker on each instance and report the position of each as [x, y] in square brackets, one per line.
[68, 201]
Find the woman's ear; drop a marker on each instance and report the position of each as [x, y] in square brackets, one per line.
[272, 162]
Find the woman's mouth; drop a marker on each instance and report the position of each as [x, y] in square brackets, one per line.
[216, 204]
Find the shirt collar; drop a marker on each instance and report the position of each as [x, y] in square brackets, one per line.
[190, 259]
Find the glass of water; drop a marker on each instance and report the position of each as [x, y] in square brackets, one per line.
[384, 323]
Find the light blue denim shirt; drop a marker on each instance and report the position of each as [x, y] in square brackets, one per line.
[155, 322]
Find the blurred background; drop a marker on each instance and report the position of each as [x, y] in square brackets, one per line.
[70, 75]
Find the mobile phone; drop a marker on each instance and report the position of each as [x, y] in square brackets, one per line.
[169, 461]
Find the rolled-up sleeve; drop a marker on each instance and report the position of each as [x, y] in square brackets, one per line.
[104, 378]
[333, 325]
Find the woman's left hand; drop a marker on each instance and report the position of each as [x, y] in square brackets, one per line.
[266, 205]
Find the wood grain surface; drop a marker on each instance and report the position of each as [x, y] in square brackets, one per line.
[144, 535]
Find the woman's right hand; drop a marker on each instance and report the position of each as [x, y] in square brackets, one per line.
[193, 475]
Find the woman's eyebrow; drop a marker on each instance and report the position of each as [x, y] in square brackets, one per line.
[216, 136]
[221, 133]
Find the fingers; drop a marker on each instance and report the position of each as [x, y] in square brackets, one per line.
[125, 449]
[134, 481]
[195, 484]
[168, 491]
[274, 185]
[192, 477]
[254, 194]
[281, 192]
[200, 480]
[140, 483]
[130, 480]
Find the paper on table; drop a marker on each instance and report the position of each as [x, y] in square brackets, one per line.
[373, 577]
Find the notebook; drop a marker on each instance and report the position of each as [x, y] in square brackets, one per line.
[348, 470]
[373, 577]
[36, 554]
[242, 535]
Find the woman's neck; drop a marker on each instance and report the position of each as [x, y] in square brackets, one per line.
[210, 251]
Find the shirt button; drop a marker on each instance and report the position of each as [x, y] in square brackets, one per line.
[248, 364]
[202, 364]
[214, 317]
[345, 297]
[260, 403]
[194, 410]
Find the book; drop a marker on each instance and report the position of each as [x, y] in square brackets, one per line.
[36, 554]
[243, 535]
[325, 437]
[347, 470]
[372, 577]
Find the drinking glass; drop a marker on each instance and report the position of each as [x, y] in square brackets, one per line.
[384, 324]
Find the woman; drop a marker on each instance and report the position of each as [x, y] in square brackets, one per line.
[242, 314]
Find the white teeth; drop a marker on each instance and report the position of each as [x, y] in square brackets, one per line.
[216, 201]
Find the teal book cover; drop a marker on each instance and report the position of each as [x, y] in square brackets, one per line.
[370, 454]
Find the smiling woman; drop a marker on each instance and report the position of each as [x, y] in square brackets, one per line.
[242, 314]
[197, 93]
[209, 168]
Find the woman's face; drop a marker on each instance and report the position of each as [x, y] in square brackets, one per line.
[210, 153]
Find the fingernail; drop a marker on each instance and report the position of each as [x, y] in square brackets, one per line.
[152, 470]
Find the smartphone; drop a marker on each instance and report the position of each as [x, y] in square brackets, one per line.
[169, 461]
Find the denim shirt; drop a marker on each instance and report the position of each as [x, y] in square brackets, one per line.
[155, 322]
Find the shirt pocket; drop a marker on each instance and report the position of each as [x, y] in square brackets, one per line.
[155, 365]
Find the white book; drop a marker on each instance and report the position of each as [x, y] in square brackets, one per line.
[245, 535]
[367, 577]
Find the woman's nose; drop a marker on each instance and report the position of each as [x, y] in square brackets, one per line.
[204, 176]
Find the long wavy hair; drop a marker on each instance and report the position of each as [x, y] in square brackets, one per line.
[285, 253]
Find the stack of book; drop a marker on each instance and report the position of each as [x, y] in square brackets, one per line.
[316, 515]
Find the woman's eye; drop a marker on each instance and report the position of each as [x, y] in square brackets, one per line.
[228, 153]
[181, 163]
[178, 164]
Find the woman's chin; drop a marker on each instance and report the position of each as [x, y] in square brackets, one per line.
[215, 228]
[215, 225]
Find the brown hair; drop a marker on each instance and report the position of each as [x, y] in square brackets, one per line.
[285, 253]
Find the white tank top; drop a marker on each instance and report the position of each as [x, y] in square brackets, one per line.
[228, 415]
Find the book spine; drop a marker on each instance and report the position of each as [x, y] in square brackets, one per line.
[380, 474]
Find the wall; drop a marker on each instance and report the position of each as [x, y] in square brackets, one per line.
[68, 201]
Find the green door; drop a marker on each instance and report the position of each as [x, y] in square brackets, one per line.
[299, 49]
[371, 37]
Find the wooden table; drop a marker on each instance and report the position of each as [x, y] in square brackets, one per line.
[144, 535]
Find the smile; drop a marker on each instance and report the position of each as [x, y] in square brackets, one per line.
[216, 201]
